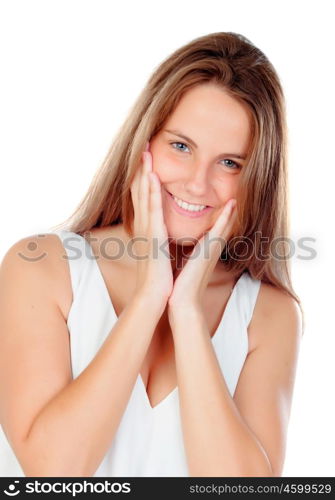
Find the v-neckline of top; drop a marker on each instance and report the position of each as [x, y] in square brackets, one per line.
[139, 377]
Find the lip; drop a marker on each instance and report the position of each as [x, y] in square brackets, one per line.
[184, 212]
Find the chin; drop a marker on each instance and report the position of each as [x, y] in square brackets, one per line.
[183, 237]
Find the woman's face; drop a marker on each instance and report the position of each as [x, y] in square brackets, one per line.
[205, 167]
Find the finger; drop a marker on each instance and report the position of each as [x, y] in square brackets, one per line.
[144, 189]
[156, 209]
[214, 241]
[224, 217]
[134, 188]
[136, 196]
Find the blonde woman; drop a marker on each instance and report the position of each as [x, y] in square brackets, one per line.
[156, 332]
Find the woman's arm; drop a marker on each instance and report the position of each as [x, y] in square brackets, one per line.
[58, 426]
[244, 435]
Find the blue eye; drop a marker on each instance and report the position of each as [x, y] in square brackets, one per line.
[235, 165]
[178, 143]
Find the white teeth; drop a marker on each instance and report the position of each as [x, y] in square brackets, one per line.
[187, 206]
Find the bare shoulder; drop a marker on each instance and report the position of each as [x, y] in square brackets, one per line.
[35, 355]
[274, 311]
[41, 260]
[268, 375]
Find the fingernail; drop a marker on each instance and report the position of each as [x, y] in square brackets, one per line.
[147, 146]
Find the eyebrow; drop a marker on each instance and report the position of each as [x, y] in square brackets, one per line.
[188, 139]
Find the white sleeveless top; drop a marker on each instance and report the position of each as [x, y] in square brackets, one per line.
[148, 441]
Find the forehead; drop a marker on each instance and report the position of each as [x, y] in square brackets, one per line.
[208, 111]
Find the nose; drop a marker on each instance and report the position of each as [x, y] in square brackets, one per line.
[197, 184]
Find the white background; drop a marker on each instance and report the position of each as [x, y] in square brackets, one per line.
[70, 70]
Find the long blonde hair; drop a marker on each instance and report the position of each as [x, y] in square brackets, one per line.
[232, 62]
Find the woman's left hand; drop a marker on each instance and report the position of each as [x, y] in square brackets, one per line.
[189, 286]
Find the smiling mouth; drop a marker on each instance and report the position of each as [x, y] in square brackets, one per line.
[206, 206]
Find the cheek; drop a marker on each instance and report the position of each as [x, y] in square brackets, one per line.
[226, 188]
[167, 168]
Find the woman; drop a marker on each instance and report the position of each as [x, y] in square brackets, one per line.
[173, 352]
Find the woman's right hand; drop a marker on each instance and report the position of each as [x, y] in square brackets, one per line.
[154, 272]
